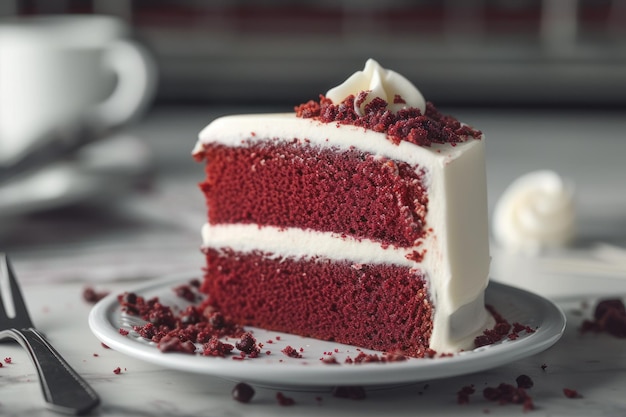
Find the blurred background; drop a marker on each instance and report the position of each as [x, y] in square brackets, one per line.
[462, 52]
[544, 79]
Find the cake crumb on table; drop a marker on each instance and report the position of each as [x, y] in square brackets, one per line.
[571, 393]
[243, 392]
[609, 317]
[283, 400]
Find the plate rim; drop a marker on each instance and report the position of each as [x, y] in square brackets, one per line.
[549, 331]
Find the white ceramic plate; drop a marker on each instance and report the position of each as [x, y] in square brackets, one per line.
[277, 369]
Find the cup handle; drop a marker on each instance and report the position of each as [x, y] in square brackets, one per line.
[136, 83]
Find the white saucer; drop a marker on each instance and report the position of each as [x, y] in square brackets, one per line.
[96, 173]
[277, 369]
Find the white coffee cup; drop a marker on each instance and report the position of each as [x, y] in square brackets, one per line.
[60, 68]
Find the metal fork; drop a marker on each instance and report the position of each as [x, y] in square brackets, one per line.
[63, 389]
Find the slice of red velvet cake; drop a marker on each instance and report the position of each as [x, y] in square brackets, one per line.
[360, 218]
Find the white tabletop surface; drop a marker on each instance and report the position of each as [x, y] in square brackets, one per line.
[153, 230]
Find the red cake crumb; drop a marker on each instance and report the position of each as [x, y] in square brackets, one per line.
[195, 324]
[283, 400]
[186, 292]
[170, 343]
[214, 347]
[8, 360]
[524, 381]
[247, 344]
[124, 332]
[243, 392]
[329, 360]
[571, 393]
[291, 352]
[462, 396]
[502, 329]
[92, 296]
[117, 371]
[395, 357]
[609, 316]
[405, 125]
[509, 394]
[351, 392]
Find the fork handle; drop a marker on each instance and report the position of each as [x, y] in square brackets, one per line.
[63, 389]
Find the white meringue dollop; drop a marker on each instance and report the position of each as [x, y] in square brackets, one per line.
[535, 212]
[377, 81]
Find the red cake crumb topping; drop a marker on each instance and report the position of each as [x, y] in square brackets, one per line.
[8, 360]
[117, 371]
[243, 392]
[609, 316]
[408, 125]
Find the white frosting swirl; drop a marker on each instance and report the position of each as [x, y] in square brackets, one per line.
[378, 82]
[535, 212]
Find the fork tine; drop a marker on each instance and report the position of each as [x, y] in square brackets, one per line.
[19, 306]
[3, 273]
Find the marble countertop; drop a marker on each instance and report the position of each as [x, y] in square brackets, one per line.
[152, 229]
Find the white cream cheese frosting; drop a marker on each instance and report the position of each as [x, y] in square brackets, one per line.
[456, 260]
[379, 82]
[535, 212]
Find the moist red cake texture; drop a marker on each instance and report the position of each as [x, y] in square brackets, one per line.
[293, 184]
[322, 299]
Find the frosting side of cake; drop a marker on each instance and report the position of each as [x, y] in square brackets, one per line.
[455, 177]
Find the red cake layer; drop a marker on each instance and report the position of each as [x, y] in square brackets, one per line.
[381, 307]
[293, 184]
